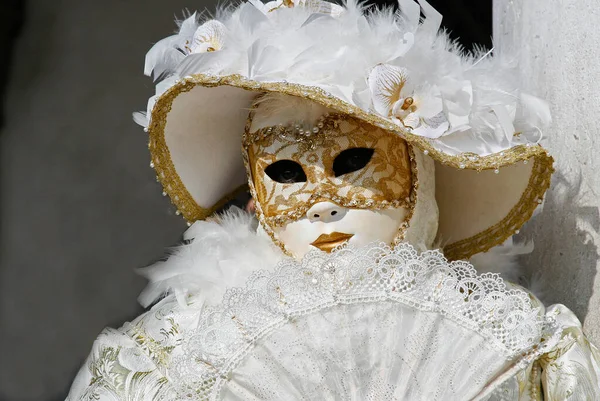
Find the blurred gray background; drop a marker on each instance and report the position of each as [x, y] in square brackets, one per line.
[80, 208]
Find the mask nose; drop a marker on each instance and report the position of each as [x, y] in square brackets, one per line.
[325, 212]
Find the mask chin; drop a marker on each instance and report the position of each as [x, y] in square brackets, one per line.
[357, 227]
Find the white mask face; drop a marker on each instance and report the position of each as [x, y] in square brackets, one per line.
[353, 226]
[347, 182]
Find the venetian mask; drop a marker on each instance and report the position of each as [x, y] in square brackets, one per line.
[337, 180]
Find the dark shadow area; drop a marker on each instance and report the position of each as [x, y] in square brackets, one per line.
[468, 21]
[12, 17]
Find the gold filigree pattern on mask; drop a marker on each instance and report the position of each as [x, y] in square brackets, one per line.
[386, 181]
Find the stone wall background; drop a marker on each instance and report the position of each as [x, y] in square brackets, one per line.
[79, 206]
[557, 43]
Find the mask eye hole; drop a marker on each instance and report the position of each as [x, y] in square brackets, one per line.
[351, 160]
[286, 172]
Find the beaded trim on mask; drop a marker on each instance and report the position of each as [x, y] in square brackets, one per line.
[297, 130]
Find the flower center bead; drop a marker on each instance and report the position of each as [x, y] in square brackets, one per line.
[407, 103]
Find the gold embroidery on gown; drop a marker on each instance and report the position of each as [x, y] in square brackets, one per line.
[131, 363]
[571, 371]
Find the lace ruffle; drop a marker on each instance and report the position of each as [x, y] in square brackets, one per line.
[506, 318]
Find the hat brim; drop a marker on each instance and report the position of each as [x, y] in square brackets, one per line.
[195, 134]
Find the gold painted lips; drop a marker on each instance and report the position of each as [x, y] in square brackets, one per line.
[326, 242]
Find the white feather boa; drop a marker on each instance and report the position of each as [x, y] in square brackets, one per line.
[504, 260]
[218, 254]
[223, 252]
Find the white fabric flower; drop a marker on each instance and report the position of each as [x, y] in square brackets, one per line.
[209, 37]
[428, 110]
[457, 97]
[417, 107]
[422, 111]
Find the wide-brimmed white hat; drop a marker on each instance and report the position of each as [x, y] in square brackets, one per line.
[467, 112]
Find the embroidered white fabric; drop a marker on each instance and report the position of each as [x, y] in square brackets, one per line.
[372, 323]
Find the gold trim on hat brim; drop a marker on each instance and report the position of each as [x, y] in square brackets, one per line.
[494, 235]
[514, 213]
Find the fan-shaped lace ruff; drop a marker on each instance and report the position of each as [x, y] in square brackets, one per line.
[371, 323]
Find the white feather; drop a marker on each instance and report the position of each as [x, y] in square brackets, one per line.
[169, 52]
[141, 118]
[503, 259]
[314, 17]
[207, 62]
[221, 253]
[262, 60]
[162, 57]
[538, 285]
[533, 111]
[505, 128]
[335, 48]
[433, 19]
[272, 108]
[250, 17]
[411, 13]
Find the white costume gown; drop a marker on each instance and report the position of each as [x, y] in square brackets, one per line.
[243, 322]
